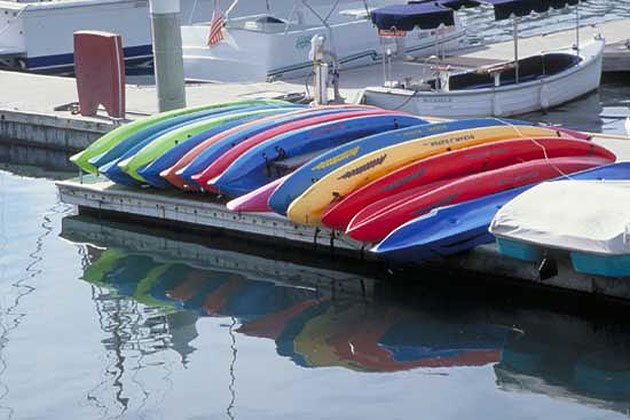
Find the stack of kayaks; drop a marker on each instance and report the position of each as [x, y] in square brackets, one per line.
[416, 189]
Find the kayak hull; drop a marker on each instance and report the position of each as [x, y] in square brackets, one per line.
[214, 162]
[377, 220]
[251, 170]
[457, 228]
[458, 163]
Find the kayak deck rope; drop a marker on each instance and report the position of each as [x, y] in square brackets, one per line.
[533, 139]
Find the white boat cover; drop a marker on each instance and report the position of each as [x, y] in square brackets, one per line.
[589, 216]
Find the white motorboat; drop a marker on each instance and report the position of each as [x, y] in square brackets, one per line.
[38, 35]
[514, 87]
[268, 46]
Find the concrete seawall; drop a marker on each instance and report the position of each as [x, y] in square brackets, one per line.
[47, 131]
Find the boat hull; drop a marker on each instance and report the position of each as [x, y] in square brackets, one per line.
[507, 100]
[256, 55]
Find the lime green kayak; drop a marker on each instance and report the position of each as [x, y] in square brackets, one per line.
[115, 136]
[164, 143]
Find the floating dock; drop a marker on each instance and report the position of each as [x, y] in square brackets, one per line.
[199, 214]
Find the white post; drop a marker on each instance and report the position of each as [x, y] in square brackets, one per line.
[167, 54]
[317, 54]
[515, 47]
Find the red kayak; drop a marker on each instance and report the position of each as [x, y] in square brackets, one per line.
[257, 200]
[377, 220]
[458, 163]
[221, 164]
[171, 174]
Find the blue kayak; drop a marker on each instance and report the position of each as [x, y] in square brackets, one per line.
[452, 229]
[151, 173]
[112, 171]
[217, 149]
[172, 123]
[327, 162]
[252, 169]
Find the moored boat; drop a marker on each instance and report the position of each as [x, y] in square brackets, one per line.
[265, 46]
[588, 219]
[522, 85]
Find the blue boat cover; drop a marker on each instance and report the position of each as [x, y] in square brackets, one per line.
[430, 14]
[503, 9]
[405, 17]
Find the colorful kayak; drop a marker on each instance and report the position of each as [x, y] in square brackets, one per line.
[454, 164]
[457, 228]
[154, 149]
[151, 173]
[257, 200]
[171, 124]
[238, 134]
[319, 167]
[213, 161]
[116, 173]
[312, 203]
[251, 170]
[377, 220]
[117, 135]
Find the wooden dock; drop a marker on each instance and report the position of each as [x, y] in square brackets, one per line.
[617, 56]
[198, 211]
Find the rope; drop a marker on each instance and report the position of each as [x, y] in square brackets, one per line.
[533, 139]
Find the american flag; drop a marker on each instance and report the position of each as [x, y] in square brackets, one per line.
[215, 35]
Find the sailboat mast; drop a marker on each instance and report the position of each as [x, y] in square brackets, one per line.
[515, 47]
[577, 27]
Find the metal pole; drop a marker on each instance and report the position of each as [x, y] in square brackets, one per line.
[516, 48]
[577, 27]
[167, 54]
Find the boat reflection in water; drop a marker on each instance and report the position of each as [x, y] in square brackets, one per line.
[328, 318]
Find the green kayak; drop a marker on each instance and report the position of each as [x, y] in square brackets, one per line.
[115, 136]
[162, 144]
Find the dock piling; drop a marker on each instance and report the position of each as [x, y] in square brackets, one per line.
[167, 54]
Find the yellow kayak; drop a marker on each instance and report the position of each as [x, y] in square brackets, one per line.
[310, 206]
